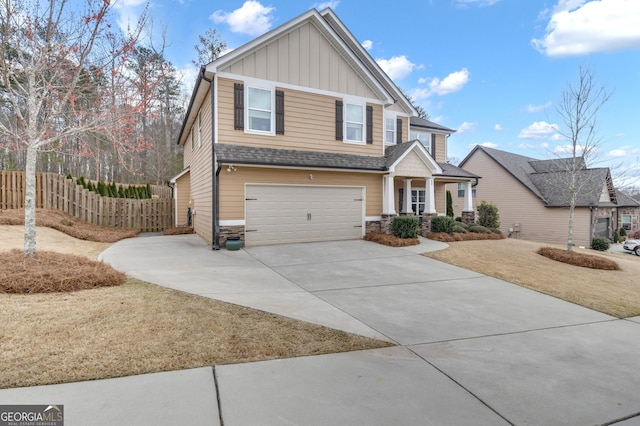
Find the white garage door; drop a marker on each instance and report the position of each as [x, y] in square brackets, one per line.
[277, 214]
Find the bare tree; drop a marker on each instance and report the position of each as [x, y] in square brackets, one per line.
[578, 112]
[51, 54]
[209, 47]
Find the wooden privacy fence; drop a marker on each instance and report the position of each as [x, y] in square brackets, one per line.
[54, 191]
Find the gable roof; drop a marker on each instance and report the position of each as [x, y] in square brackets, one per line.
[338, 36]
[547, 179]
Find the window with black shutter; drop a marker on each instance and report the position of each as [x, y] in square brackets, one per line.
[238, 106]
[433, 145]
[399, 130]
[279, 112]
[339, 121]
[369, 124]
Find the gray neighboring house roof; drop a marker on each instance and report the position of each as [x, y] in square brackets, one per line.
[547, 178]
[241, 154]
[626, 201]
[421, 122]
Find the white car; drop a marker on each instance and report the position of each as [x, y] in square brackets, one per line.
[632, 245]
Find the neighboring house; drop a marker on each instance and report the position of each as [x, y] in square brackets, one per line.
[531, 197]
[300, 136]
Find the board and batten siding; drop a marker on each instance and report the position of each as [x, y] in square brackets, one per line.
[518, 205]
[302, 57]
[232, 186]
[310, 124]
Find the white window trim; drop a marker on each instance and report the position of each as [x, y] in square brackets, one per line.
[428, 145]
[363, 105]
[272, 90]
[192, 140]
[394, 118]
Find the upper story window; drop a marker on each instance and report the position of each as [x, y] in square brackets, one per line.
[461, 189]
[354, 123]
[390, 130]
[423, 137]
[259, 110]
[264, 112]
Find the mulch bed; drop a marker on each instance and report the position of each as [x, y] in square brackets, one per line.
[579, 259]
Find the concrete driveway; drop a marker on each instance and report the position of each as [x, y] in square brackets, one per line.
[472, 350]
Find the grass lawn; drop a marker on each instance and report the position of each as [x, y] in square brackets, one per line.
[133, 328]
[615, 293]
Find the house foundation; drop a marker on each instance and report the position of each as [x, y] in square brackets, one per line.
[468, 217]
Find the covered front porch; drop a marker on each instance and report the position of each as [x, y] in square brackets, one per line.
[416, 185]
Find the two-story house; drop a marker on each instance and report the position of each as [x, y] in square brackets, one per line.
[300, 136]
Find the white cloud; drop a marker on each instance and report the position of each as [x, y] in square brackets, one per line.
[252, 18]
[367, 44]
[332, 4]
[497, 127]
[466, 126]
[450, 84]
[537, 108]
[542, 145]
[489, 145]
[567, 149]
[538, 130]
[397, 67]
[620, 152]
[579, 27]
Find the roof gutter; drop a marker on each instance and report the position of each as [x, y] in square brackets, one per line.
[215, 193]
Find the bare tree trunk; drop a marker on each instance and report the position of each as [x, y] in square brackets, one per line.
[30, 203]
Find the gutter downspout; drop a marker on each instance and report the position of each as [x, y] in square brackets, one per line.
[215, 217]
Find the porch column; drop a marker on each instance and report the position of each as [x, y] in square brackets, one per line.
[468, 199]
[388, 192]
[406, 202]
[430, 195]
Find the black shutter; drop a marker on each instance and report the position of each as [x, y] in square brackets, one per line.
[339, 121]
[369, 124]
[433, 146]
[238, 106]
[398, 130]
[279, 112]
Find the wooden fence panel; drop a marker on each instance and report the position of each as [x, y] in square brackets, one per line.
[56, 192]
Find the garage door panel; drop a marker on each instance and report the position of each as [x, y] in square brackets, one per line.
[286, 214]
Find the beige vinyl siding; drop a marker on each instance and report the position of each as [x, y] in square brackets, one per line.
[440, 192]
[310, 124]
[201, 174]
[183, 196]
[232, 186]
[302, 57]
[518, 205]
[441, 148]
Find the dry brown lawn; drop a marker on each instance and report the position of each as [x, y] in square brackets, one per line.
[133, 328]
[616, 293]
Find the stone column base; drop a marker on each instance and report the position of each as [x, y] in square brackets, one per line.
[425, 228]
[468, 217]
[385, 223]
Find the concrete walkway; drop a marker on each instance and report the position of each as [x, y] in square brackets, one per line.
[472, 350]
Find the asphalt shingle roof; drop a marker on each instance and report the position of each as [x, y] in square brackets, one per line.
[548, 179]
[421, 122]
[242, 154]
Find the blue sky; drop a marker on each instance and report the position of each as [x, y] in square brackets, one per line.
[492, 69]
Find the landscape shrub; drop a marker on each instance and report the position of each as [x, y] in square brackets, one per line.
[488, 215]
[406, 226]
[616, 236]
[623, 232]
[600, 244]
[480, 229]
[442, 224]
[457, 229]
[110, 189]
[496, 231]
[449, 204]
[459, 219]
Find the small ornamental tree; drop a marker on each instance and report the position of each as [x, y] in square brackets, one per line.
[488, 215]
[449, 204]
